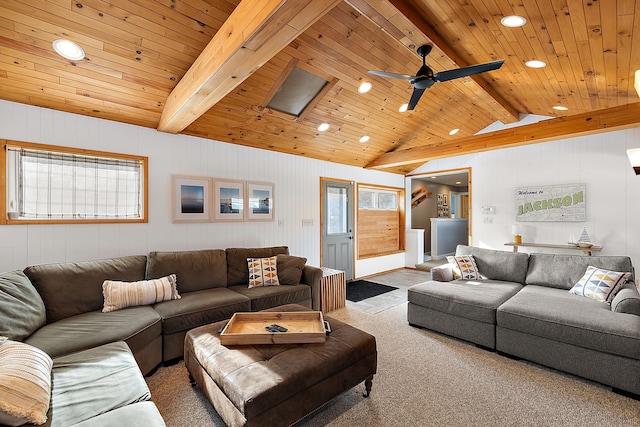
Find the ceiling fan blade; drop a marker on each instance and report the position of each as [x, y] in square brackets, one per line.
[415, 97]
[457, 73]
[391, 75]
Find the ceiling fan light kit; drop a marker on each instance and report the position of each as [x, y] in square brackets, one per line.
[425, 77]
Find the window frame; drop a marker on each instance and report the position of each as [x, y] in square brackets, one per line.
[4, 219]
[361, 212]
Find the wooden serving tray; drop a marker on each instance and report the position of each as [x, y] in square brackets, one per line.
[249, 328]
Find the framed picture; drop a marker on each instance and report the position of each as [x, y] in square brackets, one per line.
[191, 198]
[260, 201]
[228, 203]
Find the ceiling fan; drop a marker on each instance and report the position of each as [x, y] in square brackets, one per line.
[425, 77]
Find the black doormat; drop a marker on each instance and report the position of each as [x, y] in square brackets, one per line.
[362, 289]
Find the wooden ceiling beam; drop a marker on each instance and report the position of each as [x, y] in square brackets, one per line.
[254, 33]
[503, 111]
[623, 117]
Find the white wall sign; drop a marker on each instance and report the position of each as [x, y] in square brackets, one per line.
[565, 202]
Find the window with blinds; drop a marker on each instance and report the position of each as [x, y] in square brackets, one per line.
[57, 184]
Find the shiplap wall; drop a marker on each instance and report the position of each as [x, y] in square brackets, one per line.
[599, 161]
[296, 179]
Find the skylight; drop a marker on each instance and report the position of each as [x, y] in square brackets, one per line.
[297, 91]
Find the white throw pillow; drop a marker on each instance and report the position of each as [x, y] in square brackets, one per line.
[25, 383]
[119, 295]
[600, 284]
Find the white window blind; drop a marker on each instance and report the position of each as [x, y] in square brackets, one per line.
[58, 185]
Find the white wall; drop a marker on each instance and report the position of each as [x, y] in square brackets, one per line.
[599, 161]
[296, 179]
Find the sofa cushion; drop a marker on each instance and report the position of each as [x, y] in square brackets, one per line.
[68, 289]
[464, 267]
[498, 265]
[138, 326]
[475, 300]
[93, 382]
[599, 284]
[194, 270]
[200, 308]
[556, 314]
[139, 414]
[25, 383]
[264, 297]
[118, 295]
[564, 271]
[290, 269]
[237, 270]
[21, 308]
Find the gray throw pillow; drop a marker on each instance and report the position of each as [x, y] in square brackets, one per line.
[22, 311]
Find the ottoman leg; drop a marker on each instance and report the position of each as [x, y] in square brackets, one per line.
[367, 386]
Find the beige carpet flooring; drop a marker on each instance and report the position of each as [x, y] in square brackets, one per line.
[427, 379]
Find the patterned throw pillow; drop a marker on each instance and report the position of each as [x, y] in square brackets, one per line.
[599, 284]
[25, 383]
[119, 295]
[464, 267]
[263, 272]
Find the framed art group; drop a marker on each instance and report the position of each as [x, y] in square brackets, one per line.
[202, 199]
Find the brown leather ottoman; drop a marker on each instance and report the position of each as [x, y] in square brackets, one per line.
[277, 385]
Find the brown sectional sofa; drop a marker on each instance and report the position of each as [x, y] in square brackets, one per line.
[67, 319]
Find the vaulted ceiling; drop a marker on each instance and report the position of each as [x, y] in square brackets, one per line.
[209, 67]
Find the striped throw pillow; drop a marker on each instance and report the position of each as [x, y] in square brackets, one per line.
[263, 272]
[119, 295]
[25, 383]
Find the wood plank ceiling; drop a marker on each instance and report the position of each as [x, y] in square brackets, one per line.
[137, 51]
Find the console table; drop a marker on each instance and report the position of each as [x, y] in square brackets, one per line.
[586, 251]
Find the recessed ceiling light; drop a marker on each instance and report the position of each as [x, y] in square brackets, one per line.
[535, 64]
[560, 108]
[433, 177]
[364, 139]
[323, 126]
[403, 108]
[365, 87]
[68, 49]
[458, 182]
[454, 131]
[513, 21]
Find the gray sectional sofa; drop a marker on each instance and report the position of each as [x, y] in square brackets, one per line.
[522, 307]
[58, 309]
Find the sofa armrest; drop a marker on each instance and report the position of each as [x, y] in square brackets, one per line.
[627, 300]
[312, 276]
[442, 273]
